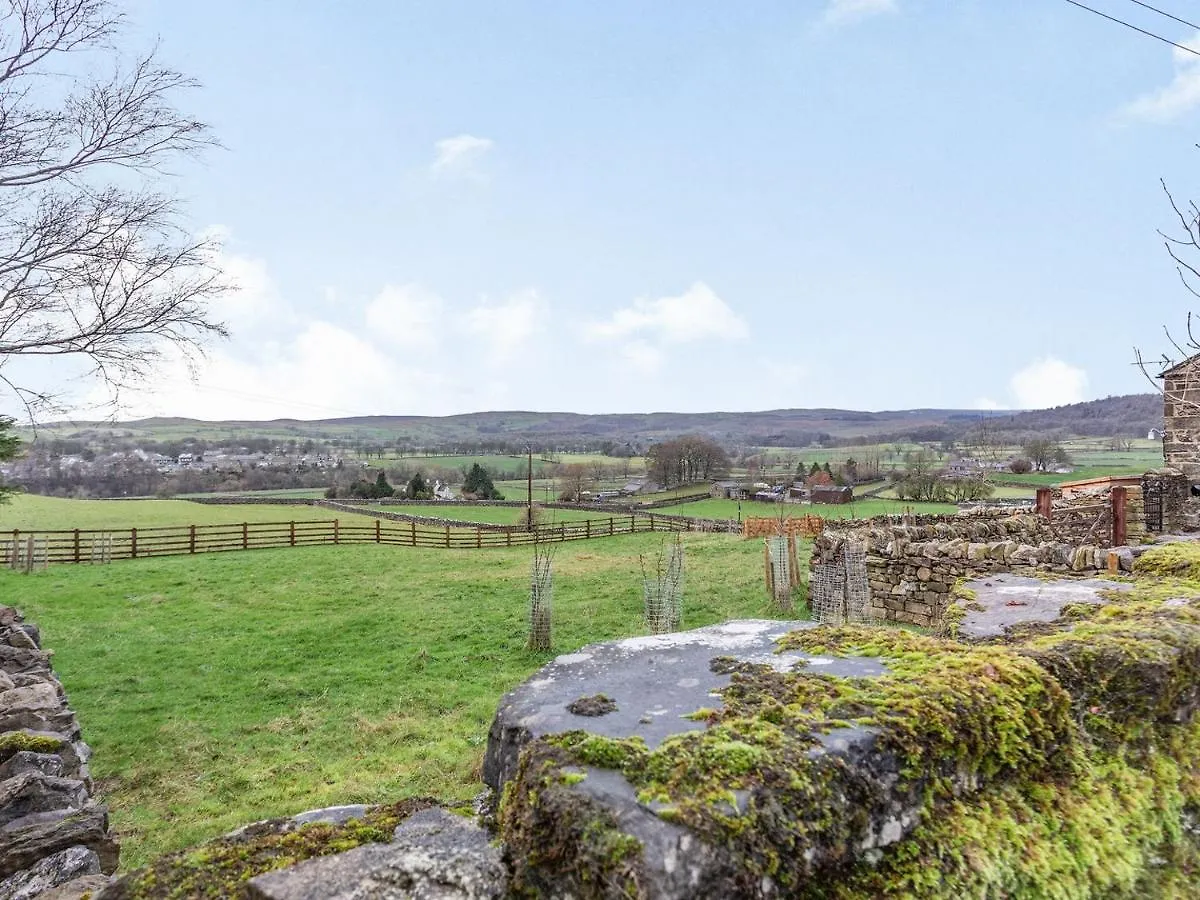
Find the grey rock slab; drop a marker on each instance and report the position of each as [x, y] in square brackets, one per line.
[329, 815]
[1002, 601]
[78, 888]
[38, 698]
[33, 837]
[28, 761]
[34, 792]
[654, 680]
[17, 660]
[433, 856]
[56, 869]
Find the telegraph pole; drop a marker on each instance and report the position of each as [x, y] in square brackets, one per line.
[529, 482]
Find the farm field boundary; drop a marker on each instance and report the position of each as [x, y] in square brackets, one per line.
[28, 549]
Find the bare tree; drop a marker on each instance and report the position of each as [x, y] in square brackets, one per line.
[94, 260]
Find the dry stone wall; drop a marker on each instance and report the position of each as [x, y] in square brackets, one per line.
[52, 831]
[912, 569]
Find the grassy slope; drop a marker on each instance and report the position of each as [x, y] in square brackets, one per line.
[728, 509]
[31, 512]
[222, 689]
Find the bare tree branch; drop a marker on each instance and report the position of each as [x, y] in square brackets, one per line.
[91, 266]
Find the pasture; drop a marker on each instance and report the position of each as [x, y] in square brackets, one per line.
[863, 509]
[225, 688]
[30, 512]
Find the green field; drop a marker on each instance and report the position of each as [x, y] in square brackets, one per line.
[495, 515]
[226, 688]
[865, 509]
[32, 513]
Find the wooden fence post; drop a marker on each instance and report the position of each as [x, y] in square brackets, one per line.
[413, 530]
[16, 538]
[245, 536]
[651, 521]
[1119, 513]
[588, 527]
[292, 533]
[447, 536]
[377, 531]
[337, 538]
[191, 539]
[1045, 503]
[478, 537]
[611, 525]
[77, 546]
[133, 543]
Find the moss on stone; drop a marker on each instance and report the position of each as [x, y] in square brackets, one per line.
[560, 837]
[12, 742]
[220, 869]
[1179, 559]
[1059, 764]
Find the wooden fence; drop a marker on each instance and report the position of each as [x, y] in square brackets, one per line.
[30, 549]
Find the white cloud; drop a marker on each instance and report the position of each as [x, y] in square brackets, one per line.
[459, 157]
[695, 315]
[642, 357]
[253, 304]
[1179, 97]
[508, 327]
[405, 315]
[1048, 382]
[846, 12]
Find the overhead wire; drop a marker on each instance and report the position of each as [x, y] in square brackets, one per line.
[1130, 25]
[1168, 15]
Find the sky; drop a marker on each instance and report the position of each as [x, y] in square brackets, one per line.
[444, 207]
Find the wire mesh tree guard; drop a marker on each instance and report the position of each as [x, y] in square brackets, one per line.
[541, 596]
[662, 590]
[838, 590]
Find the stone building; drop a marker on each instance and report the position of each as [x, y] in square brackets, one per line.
[1181, 416]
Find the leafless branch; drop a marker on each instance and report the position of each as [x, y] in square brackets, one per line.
[91, 266]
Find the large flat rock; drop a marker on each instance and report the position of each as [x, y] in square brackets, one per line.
[654, 681]
[1001, 601]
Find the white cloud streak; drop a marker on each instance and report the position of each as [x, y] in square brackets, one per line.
[459, 157]
[1175, 100]
[847, 12]
[695, 315]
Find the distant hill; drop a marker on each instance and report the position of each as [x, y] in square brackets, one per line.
[1129, 416]
[1132, 415]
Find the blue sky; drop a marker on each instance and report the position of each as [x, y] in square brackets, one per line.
[434, 208]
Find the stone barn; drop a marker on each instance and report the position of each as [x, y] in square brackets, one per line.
[1181, 416]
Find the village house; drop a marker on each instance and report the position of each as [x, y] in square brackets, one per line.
[831, 493]
[727, 490]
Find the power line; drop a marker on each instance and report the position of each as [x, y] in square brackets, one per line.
[1157, 37]
[1167, 14]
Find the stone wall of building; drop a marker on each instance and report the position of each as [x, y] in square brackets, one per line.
[1181, 418]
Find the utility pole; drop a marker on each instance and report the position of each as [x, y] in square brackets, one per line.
[529, 501]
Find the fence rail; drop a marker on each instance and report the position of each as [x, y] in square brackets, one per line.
[27, 549]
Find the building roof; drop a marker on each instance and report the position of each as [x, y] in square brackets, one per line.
[1192, 360]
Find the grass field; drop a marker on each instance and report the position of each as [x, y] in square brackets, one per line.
[30, 512]
[728, 509]
[222, 689]
[496, 515]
